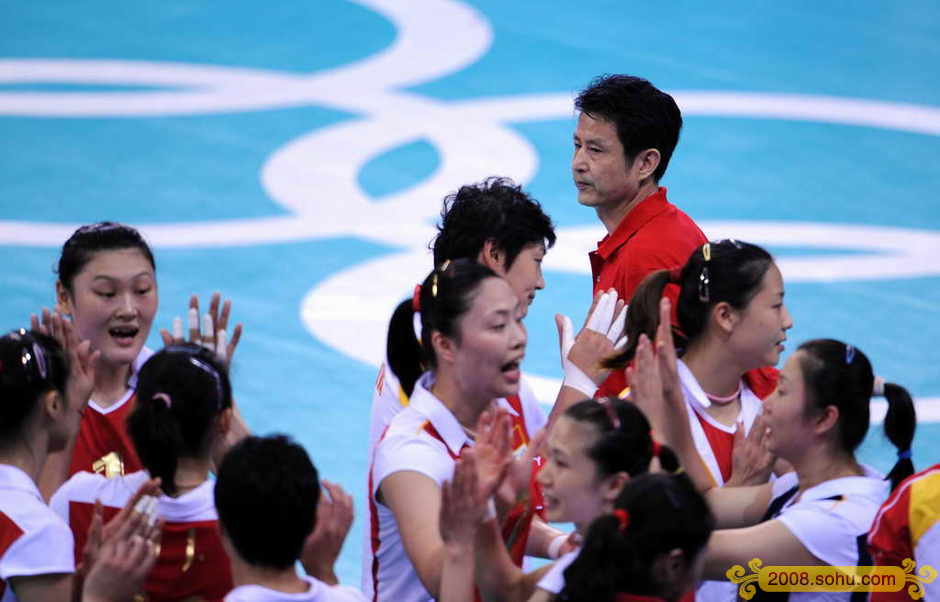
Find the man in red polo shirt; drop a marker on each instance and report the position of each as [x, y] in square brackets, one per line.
[627, 130]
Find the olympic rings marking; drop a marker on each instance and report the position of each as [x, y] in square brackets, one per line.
[471, 136]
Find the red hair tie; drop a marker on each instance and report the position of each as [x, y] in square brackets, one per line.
[416, 299]
[657, 448]
[623, 517]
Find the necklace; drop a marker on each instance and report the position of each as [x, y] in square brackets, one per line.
[720, 399]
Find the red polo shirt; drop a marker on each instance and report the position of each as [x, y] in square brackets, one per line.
[655, 235]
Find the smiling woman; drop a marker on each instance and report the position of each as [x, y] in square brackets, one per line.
[107, 283]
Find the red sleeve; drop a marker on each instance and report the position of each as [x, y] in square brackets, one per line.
[889, 541]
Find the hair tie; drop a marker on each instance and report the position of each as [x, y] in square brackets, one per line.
[849, 354]
[623, 518]
[657, 448]
[904, 454]
[611, 412]
[416, 299]
[164, 398]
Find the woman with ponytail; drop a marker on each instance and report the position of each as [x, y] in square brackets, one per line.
[821, 513]
[183, 412]
[647, 549]
[592, 451]
[729, 327]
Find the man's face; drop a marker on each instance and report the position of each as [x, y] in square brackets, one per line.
[602, 175]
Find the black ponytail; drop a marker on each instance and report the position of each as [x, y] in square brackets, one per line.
[402, 348]
[444, 296]
[840, 375]
[900, 423]
[654, 514]
[180, 392]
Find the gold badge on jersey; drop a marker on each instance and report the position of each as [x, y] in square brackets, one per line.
[109, 465]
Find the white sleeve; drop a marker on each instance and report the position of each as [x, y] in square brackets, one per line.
[830, 529]
[386, 403]
[344, 593]
[59, 502]
[46, 550]
[535, 419]
[397, 453]
[554, 580]
[784, 484]
[927, 553]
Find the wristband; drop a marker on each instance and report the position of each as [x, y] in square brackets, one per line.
[578, 380]
[554, 548]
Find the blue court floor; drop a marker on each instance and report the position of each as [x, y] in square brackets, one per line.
[294, 156]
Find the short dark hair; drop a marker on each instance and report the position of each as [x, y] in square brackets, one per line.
[266, 496]
[88, 240]
[495, 209]
[645, 116]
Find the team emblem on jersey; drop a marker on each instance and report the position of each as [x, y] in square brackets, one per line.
[109, 465]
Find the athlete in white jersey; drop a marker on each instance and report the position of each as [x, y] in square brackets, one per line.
[41, 399]
[274, 477]
[817, 417]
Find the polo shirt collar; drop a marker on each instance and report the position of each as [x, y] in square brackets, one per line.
[872, 486]
[13, 477]
[638, 217]
[693, 390]
[441, 418]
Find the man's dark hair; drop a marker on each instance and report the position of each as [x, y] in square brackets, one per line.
[645, 117]
[266, 495]
[495, 209]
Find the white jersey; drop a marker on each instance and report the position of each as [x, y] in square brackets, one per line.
[424, 437]
[317, 592]
[388, 400]
[831, 520]
[553, 581]
[33, 540]
[696, 402]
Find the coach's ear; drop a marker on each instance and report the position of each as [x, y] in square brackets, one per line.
[493, 257]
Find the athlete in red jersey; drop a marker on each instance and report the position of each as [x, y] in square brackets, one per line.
[182, 415]
[908, 527]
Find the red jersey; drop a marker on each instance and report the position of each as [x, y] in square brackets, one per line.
[103, 445]
[655, 235]
[908, 526]
[192, 562]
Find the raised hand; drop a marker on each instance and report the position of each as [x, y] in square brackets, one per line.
[462, 505]
[599, 338]
[127, 548]
[322, 547]
[492, 450]
[751, 460]
[211, 332]
[82, 361]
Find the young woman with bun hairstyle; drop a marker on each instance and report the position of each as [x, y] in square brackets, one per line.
[648, 549]
[181, 418]
[729, 326]
[821, 513]
[591, 452]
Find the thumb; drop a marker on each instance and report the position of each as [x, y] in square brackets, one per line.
[565, 334]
